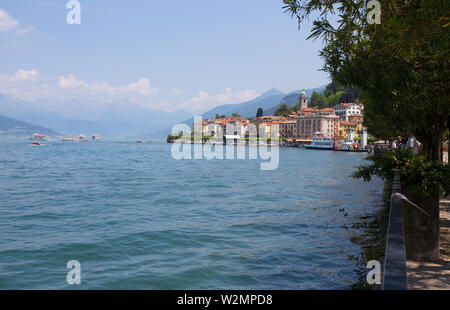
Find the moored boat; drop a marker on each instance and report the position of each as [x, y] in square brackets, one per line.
[38, 137]
[320, 142]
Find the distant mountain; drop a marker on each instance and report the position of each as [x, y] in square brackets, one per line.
[118, 119]
[248, 108]
[128, 119]
[11, 126]
[293, 97]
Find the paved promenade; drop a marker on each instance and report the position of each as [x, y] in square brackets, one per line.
[434, 275]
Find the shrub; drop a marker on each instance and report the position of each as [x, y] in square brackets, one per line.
[420, 176]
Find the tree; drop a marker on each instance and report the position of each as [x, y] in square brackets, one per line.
[259, 113]
[235, 114]
[333, 95]
[347, 97]
[401, 68]
[318, 101]
[283, 110]
[334, 99]
[333, 88]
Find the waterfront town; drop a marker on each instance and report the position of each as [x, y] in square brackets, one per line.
[339, 127]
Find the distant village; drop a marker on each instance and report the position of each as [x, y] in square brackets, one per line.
[338, 127]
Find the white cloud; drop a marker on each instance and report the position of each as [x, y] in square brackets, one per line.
[141, 87]
[203, 100]
[9, 23]
[197, 103]
[228, 97]
[25, 75]
[20, 76]
[25, 84]
[247, 95]
[81, 87]
[70, 82]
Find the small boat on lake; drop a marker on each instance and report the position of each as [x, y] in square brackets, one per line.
[39, 137]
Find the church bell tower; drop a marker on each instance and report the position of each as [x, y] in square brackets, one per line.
[303, 101]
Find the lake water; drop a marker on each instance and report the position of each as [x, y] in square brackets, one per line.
[135, 218]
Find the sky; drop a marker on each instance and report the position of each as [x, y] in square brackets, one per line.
[164, 55]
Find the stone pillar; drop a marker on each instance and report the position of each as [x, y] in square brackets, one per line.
[364, 139]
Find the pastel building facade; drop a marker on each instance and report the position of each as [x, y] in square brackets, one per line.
[308, 125]
[287, 128]
[344, 110]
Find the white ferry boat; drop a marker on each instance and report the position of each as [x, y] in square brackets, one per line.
[320, 142]
[79, 138]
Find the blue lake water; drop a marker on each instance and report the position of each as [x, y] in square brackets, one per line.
[135, 218]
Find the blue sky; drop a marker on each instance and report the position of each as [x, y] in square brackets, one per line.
[166, 55]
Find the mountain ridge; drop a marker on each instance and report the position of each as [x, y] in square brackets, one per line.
[73, 117]
[128, 119]
[12, 126]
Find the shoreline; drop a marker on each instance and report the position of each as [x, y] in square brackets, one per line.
[272, 145]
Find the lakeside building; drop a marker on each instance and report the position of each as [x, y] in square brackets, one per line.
[309, 124]
[264, 129]
[344, 110]
[311, 121]
[345, 128]
[287, 128]
[223, 126]
[355, 123]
